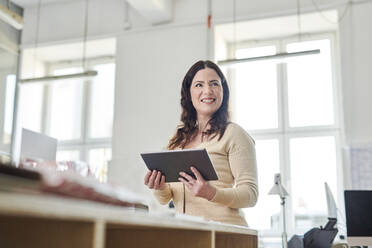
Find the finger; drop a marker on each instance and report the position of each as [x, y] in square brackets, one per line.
[147, 177]
[197, 174]
[152, 179]
[157, 179]
[162, 182]
[189, 185]
[187, 176]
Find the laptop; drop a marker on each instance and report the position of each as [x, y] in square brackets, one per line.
[37, 146]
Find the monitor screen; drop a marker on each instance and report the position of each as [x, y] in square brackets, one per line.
[358, 207]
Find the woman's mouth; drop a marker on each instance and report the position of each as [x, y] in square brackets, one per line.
[208, 100]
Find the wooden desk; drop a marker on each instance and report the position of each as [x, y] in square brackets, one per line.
[34, 221]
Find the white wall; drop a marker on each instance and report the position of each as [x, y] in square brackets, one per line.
[151, 61]
[356, 53]
[150, 68]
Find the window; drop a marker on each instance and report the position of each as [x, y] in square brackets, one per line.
[102, 102]
[31, 102]
[78, 112]
[8, 69]
[268, 165]
[313, 162]
[290, 108]
[66, 102]
[98, 159]
[9, 105]
[68, 155]
[310, 87]
[257, 87]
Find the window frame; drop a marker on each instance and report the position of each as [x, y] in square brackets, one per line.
[284, 133]
[5, 148]
[85, 143]
[2, 110]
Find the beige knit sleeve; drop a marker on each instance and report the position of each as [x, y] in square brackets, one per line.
[163, 196]
[242, 159]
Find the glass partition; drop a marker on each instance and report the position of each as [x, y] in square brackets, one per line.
[9, 54]
[8, 71]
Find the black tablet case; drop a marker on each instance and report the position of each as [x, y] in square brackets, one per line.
[170, 163]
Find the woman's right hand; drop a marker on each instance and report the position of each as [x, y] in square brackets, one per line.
[154, 180]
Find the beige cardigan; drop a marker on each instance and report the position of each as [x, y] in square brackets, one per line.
[234, 159]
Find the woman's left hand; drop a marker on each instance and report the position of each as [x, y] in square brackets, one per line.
[198, 187]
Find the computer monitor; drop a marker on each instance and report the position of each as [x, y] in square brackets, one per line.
[358, 208]
[38, 146]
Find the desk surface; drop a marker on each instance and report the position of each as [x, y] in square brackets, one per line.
[109, 224]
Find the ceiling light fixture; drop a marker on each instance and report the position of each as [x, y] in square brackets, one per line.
[85, 74]
[279, 58]
[11, 17]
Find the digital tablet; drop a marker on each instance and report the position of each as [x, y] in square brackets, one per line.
[171, 163]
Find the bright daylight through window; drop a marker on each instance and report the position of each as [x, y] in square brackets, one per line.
[78, 112]
[290, 110]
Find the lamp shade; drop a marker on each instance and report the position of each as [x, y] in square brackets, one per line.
[278, 188]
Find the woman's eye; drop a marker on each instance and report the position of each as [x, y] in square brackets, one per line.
[216, 84]
[198, 85]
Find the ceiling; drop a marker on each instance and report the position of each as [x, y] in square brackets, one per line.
[72, 51]
[277, 27]
[155, 11]
[28, 3]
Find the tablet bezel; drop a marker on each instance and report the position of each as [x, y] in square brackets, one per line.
[171, 162]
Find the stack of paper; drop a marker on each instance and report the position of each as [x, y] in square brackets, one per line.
[44, 180]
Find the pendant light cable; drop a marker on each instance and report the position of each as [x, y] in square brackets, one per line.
[299, 20]
[339, 19]
[85, 34]
[85, 72]
[234, 29]
[36, 44]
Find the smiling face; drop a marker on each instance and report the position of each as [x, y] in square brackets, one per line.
[206, 92]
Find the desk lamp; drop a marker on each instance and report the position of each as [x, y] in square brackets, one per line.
[278, 189]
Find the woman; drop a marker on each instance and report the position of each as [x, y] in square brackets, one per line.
[205, 124]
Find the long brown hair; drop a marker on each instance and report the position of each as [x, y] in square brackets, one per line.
[189, 126]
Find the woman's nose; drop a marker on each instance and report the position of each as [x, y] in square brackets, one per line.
[208, 89]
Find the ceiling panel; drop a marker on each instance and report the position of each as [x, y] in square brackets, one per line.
[262, 29]
[28, 3]
[72, 51]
